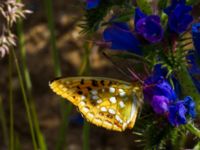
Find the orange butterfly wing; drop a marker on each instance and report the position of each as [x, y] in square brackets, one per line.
[112, 104]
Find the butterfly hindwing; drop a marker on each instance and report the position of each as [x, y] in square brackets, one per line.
[109, 103]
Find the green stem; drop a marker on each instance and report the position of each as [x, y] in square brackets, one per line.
[189, 89]
[40, 136]
[28, 84]
[197, 146]
[3, 123]
[63, 128]
[65, 108]
[17, 143]
[195, 131]
[28, 110]
[84, 70]
[11, 103]
[49, 12]
[85, 67]
[86, 135]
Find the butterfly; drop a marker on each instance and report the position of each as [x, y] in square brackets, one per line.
[109, 103]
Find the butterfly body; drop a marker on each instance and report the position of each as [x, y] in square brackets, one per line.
[109, 103]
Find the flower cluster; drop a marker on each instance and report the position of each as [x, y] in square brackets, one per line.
[179, 17]
[10, 12]
[160, 40]
[163, 98]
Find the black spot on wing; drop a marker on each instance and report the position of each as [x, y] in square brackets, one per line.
[80, 92]
[102, 82]
[109, 83]
[89, 88]
[82, 81]
[94, 83]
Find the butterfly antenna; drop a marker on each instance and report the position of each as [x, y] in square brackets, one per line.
[146, 70]
[115, 65]
[131, 70]
[139, 76]
[101, 44]
[135, 75]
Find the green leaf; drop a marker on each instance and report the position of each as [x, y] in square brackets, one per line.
[192, 2]
[162, 4]
[197, 146]
[128, 55]
[125, 16]
[144, 6]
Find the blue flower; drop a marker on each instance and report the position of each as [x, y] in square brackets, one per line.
[159, 94]
[190, 105]
[92, 4]
[121, 38]
[180, 109]
[196, 37]
[164, 100]
[178, 16]
[138, 15]
[160, 104]
[148, 27]
[158, 86]
[177, 114]
[173, 5]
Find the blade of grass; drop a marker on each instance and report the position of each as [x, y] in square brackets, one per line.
[17, 143]
[50, 19]
[27, 107]
[84, 70]
[26, 75]
[86, 135]
[65, 108]
[85, 67]
[3, 123]
[63, 128]
[11, 103]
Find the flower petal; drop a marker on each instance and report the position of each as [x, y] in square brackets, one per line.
[92, 4]
[121, 38]
[160, 104]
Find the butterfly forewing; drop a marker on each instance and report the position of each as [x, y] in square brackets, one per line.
[109, 103]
